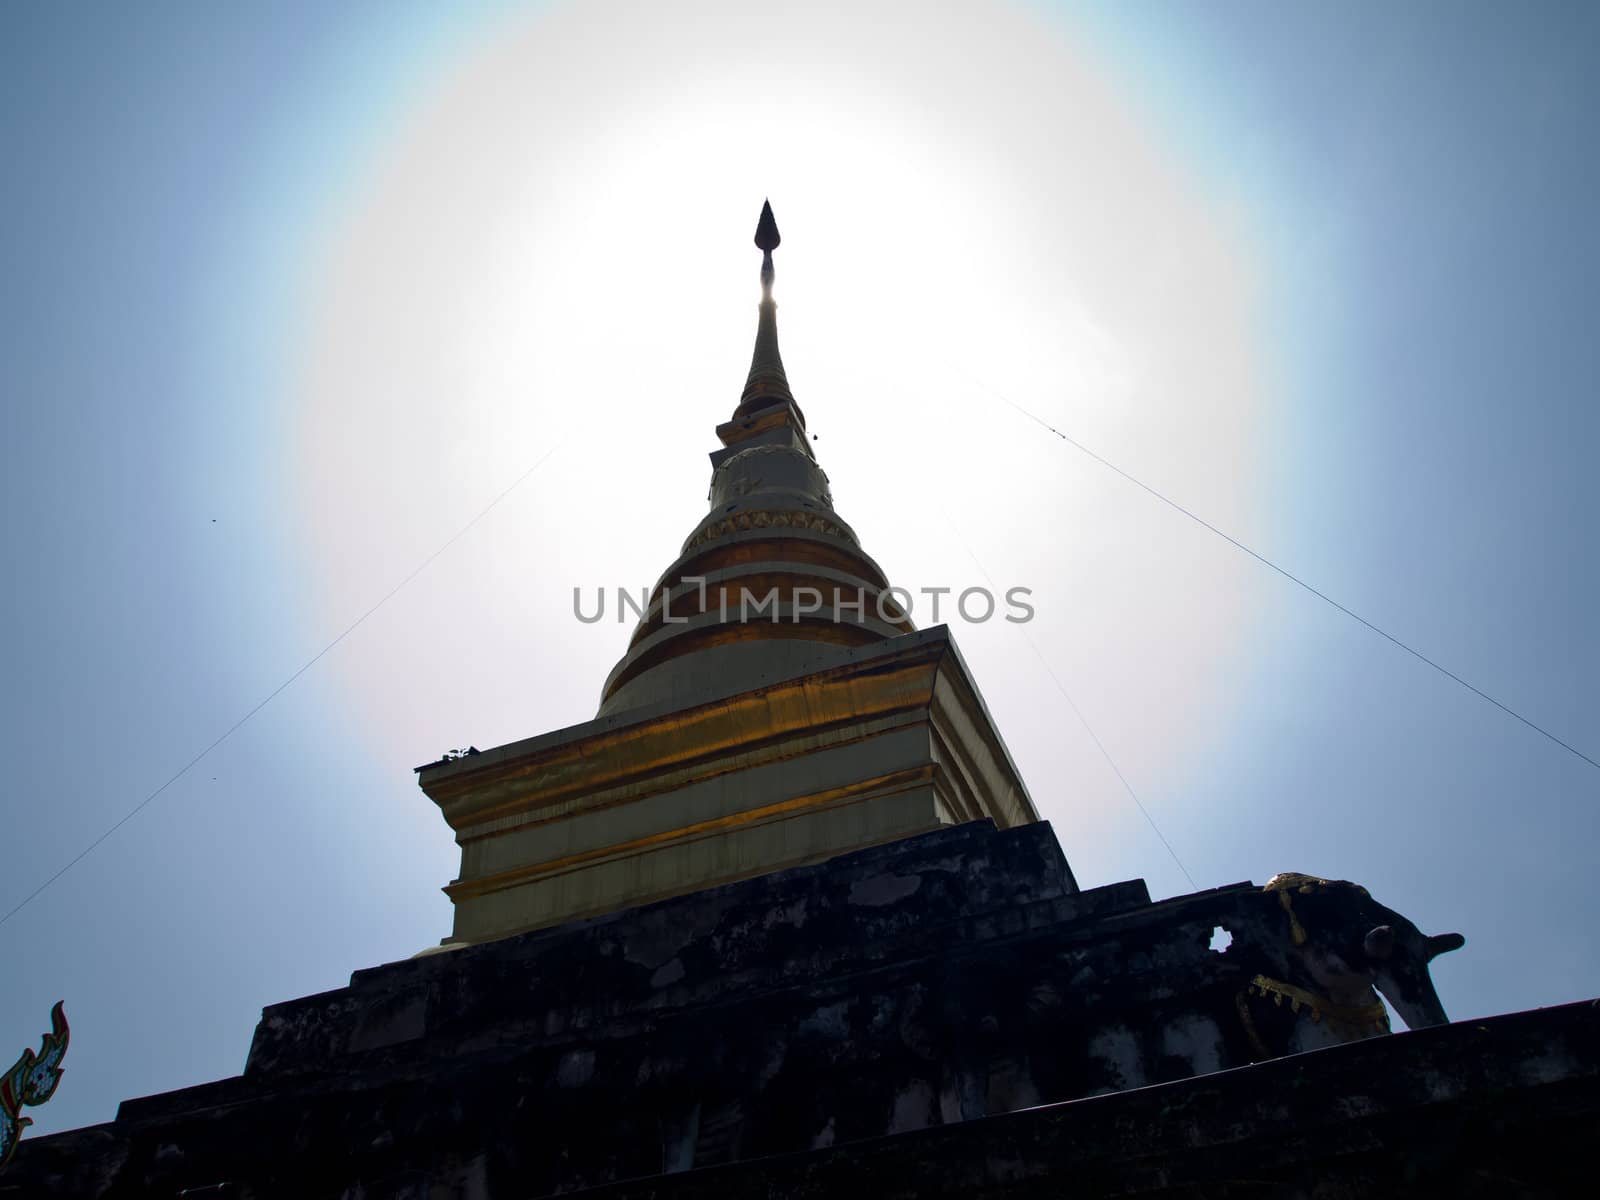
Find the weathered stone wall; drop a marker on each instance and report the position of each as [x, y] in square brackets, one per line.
[907, 987]
[1481, 1110]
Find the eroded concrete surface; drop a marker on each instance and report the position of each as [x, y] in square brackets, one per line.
[867, 1021]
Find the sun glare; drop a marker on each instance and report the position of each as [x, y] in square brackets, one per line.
[555, 252]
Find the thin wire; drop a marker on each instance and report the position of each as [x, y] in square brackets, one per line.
[1078, 712]
[306, 666]
[1111, 762]
[1295, 579]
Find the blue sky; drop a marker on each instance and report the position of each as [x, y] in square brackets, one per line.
[1325, 275]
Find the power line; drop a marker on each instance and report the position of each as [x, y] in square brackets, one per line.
[270, 696]
[1295, 579]
[951, 524]
[1078, 712]
[1111, 762]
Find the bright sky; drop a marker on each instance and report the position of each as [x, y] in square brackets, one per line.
[291, 296]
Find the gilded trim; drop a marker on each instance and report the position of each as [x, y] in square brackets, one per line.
[839, 697]
[881, 786]
[787, 750]
[1360, 1019]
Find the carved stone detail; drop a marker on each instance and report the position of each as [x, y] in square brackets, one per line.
[740, 522]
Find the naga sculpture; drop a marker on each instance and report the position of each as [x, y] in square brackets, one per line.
[1325, 949]
[31, 1080]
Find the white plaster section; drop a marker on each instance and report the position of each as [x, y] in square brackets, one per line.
[668, 975]
[879, 890]
[828, 1021]
[789, 914]
[678, 1140]
[913, 1108]
[950, 1099]
[1197, 1041]
[1313, 1035]
[657, 938]
[1116, 1048]
[826, 1137]
[575, 1069]
[776, 1053]
[1353, 1108]
[469, 1181]
[1011, 1085]
[1550, 1067]
[390, 1024]
[962, 1095]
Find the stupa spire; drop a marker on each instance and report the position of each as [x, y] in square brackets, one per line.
[767, 383]
[767, 239]
[770, 532]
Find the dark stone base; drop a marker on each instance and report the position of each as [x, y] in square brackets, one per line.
[1505, 1107]
[850, 1026]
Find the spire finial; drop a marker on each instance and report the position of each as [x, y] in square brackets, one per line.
[767, 239]
[767, 382]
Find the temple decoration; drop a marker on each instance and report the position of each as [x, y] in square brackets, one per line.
[31, 1081]
[1329, 950]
